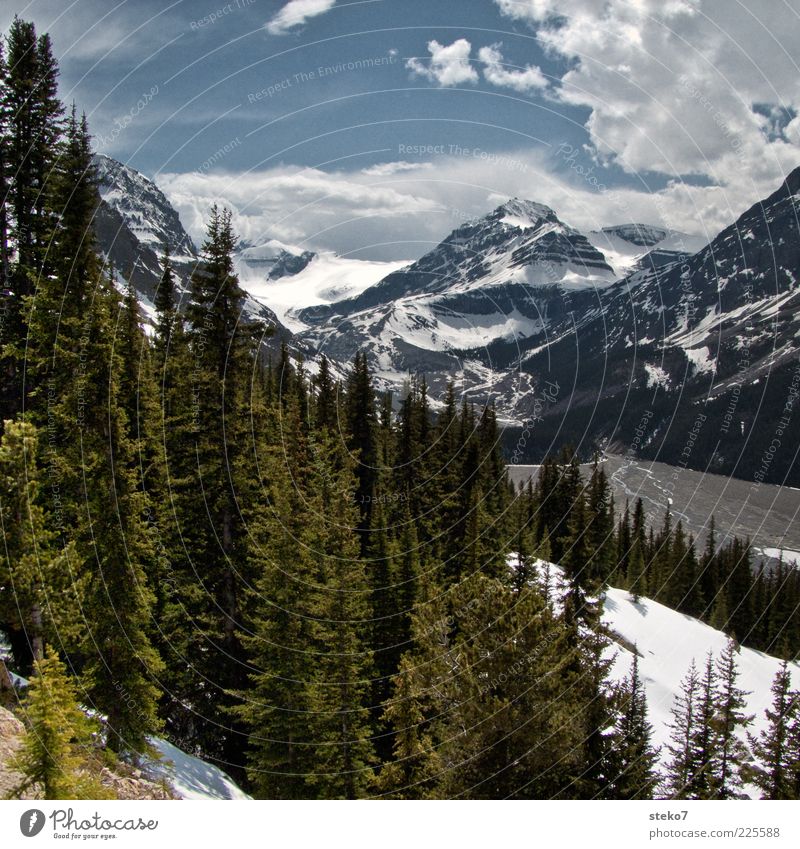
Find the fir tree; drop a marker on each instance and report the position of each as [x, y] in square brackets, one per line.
[683, 762]
[733, 756]
[59, 738]
[39, 588]
[777, 748]
[636, 759]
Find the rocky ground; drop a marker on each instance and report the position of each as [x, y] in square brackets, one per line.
[125, 782]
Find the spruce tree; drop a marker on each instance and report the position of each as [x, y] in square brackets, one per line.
[683, 762]
[338, 693]
[39, 587]
[636, 759]
[730, 720]
[776, 749]
[58, 740]
[275, 708]
[222, 344]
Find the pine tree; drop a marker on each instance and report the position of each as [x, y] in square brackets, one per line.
[705, 739]
[338, 693]
[733, 756]
[776, 749]
[275, 708]
[412, 772]
[59, 738]
[39, 588]
[326, 411]
[222, 346]
[683, 763]
[34, 129]
[636, 759]
[166, 310]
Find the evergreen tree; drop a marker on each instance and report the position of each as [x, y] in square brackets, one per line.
[58, 740]
[166, 306]
[683, 763]
[705, 739]
[637, 760]
[275, 708]
[338, 693]
[733, 756]
[777, 748]
[222, 346]
[39, 589]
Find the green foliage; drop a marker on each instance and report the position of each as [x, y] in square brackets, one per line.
[59, 738]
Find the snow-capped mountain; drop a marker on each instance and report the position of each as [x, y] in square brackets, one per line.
[135, 222]
[288, 279]
[520, 243]
[147, 213]
[500, 278]
[631, 247]
[706, 347]
[627, 321]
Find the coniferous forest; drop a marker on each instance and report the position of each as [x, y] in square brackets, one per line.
[330, 592]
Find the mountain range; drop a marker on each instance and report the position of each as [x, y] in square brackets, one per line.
[632, 338]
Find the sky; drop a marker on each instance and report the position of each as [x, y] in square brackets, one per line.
[374, 127]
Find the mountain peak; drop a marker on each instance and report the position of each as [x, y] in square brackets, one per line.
[522, 213]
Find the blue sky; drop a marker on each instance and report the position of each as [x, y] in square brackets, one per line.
[374, 127]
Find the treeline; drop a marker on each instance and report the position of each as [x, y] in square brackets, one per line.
[330, 591]
[722, 583]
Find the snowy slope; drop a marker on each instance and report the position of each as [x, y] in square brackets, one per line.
[668, 641]
[267, 272]
[626, 246]
[144, 208]
[191, 777]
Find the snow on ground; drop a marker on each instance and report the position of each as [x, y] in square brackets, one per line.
[701, 359]
[656, 376]
[191, 777]
[326, 279]
[786, 554]
[667, 642]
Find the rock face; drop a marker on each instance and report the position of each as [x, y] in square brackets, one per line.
[135, 222]
[126, 783]
[11, 731]
[703, 349]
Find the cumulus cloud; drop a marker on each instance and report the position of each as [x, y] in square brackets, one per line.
[673, 86]
[295, 13]
[496, 72]
[449, 64]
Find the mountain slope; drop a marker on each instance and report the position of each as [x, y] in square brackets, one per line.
[135, 222]
[500, 278]
[704, 351]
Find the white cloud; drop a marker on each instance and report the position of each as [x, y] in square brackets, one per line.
[387, 169]
[329, 210]
[448, 65]
[296, 13]
[671, 85]
[496, 72]
[400, 209]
